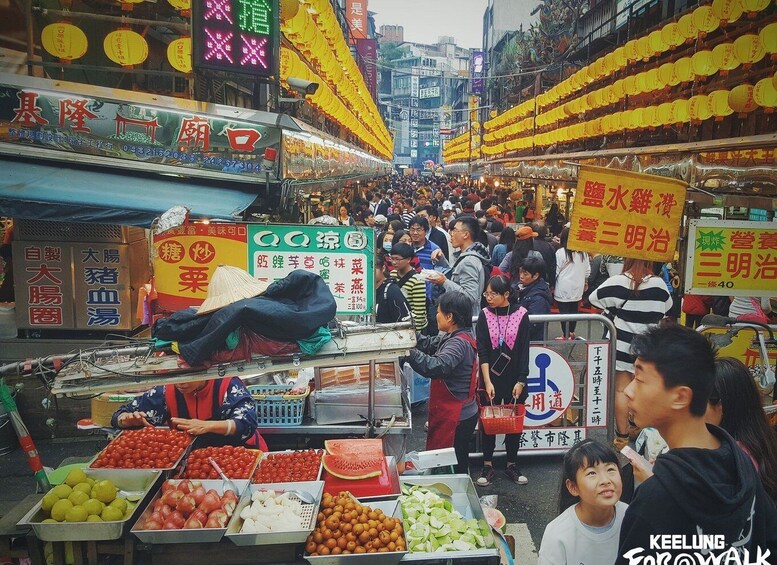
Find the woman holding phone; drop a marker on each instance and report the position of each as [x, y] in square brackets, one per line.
[503, 350]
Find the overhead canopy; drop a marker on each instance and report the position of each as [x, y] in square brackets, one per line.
[52, 191]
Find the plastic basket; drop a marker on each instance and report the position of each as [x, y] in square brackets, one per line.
[502, 419]
[276, 409]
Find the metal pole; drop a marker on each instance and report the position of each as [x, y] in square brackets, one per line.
[180, 26]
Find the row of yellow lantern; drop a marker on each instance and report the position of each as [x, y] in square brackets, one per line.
[745, 50]
[741, 99]
[698, 23]
[320, 40]
[68, 42]
[326, 101]
[457, 142]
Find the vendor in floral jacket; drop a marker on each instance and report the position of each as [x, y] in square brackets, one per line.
[220, 410]
[450, 360]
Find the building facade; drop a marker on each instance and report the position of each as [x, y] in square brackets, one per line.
[392, 34]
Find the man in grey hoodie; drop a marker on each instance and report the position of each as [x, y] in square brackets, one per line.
[472, 267]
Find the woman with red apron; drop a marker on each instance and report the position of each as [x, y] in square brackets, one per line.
[450, 360]
[222, 411]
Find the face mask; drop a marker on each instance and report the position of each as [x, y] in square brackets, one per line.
[387, 245]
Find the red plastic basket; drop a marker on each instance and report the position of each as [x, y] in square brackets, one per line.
[502, 419]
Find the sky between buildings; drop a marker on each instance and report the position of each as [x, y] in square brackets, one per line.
[426, 20]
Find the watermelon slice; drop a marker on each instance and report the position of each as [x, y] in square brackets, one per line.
[361, 448]
[495, 519]
[352, 468]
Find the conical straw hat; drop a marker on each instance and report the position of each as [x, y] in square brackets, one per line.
[229, 285]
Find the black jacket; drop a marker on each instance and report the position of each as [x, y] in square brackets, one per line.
[390, 304]
[537, 299]
[549, 256]
[705, 492]
[438, 237]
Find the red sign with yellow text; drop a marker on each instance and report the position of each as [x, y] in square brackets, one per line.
[186, 257]
[627, 214]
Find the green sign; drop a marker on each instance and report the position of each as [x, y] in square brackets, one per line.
[341, 255]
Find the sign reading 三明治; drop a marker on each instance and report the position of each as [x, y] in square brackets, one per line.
[628, 214]
[731, 258]
[342, 256]
[236, 36]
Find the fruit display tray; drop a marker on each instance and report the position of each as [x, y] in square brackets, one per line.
[309, 512]
[390, 508]
[125, 479]
[386, 484]
[170, 468]
[199, 535]
[271, 453]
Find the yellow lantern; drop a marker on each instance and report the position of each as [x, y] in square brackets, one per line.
[752, 7]
[718, 104]
[629, 120]
[727, 11]
[703, 64]
[774, 80]
[641, 83]
[699, 108]
[666, 73]
[671, 36]
[768, 37]
[630, 85]
[64, 41]
[705, 20]
[644, 49]
[630, 50]
[657, 43]
[288, 9]
[679, 113]
[688, 29]
[181, 5]
[609, 63]
[620, 58]
[740, 98]
[725, 58]
[653, 81]
[749, 49]
[665, 113]
[125, 47]
[179, 54]
[764, 94]
[683, 72]
[617, 90]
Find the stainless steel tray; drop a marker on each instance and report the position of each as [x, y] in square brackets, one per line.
[390, 508]
[259, 456]
[125, 479]
[203, 535]
[466, 501]
[316, 488]
[271, 453]
[170, 468]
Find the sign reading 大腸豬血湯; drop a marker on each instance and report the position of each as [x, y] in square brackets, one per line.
[186, 257]
[731, 258]
[625, 213]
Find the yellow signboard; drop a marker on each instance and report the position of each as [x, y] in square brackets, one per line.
[732, 258]
[627, 214]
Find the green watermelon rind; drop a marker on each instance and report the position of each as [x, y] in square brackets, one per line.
[336, 465]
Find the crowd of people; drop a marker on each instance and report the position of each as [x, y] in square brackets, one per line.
[458, 254]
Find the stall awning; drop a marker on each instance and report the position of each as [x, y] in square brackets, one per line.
[52, 191]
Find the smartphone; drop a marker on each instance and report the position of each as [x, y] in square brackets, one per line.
[635, 458]
[500, 365]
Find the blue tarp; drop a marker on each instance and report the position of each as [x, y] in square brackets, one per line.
[52, 191]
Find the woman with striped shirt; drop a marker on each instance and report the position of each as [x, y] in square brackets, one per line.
[412, 285]
[634, 300]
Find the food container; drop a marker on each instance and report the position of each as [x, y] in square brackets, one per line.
[169, 468]
[386, 484]
[259, 454]
[200, 535]
[124, 479]
[271, 453]
[309, 513]
[465, 500]
[389, 508]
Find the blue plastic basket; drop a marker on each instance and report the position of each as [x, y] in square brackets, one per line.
[276, 409]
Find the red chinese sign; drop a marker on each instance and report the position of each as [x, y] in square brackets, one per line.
[627, 214]
[356, 14]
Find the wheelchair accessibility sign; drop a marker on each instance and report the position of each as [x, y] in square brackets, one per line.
[551, 386]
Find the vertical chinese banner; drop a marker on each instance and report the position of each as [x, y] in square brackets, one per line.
[368, 60]
[597, 385]
[731, 258]
[185, 258]
[341, 255]
[44, 285]
[356, 14]
[627, 214]
[102, 286]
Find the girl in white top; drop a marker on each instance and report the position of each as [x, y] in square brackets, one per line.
[572, 271]
[586, 533]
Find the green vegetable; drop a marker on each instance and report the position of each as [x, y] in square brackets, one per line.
[432, 525]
